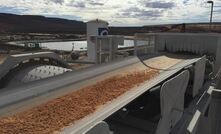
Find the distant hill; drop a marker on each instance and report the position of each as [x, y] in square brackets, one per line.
[39, 24]
[184, 27]
[11, 23]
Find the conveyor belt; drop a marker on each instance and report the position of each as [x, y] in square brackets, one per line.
[106, 110]
[74, 80]
[10, 96]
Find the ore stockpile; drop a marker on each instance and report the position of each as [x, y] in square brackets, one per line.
[61, 112]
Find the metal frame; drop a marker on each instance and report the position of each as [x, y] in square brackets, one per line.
[99, 47]
[150, 38]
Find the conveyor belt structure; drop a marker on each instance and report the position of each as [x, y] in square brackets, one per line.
[24, 96]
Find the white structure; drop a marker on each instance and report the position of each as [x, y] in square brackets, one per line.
[95, 28]
[106, 47]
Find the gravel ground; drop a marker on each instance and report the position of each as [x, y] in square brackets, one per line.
[61, 112]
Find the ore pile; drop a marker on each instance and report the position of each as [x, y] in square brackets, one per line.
[61, 112]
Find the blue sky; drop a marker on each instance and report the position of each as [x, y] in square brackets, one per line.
[118, 12]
